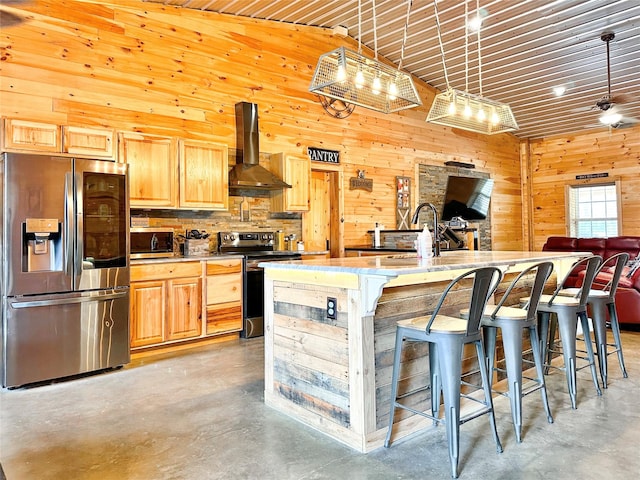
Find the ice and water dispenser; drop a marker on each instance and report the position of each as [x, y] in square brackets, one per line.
[41, 245]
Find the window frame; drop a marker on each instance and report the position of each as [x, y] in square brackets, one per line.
[596, 182]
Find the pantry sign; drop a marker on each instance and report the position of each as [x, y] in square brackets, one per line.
[322, 155]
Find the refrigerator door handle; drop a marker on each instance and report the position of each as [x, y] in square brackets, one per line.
[69, 224]
[66, 301]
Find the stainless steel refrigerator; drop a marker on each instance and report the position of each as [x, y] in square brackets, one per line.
[65, 267]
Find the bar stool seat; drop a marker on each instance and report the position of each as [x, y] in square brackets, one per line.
[567, 311]
[446, 337]
[601, 302]
[513, 322]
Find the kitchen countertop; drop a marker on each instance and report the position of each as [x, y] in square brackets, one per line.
[182, 258]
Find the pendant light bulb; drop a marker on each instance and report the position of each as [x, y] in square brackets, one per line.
[359, 79]
[481, 115]
[494, 117]
[341, 74]
[467, 111]
[376, 86]
[452, 108]
[393, 91]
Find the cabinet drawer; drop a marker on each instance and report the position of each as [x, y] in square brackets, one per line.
[225, 317]
[224, 266]
[224, 288]
[165, 271]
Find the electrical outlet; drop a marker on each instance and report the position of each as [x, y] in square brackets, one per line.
[332, 308]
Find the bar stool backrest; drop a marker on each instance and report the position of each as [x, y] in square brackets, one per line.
[485, 282]
[619, 260]
[592, 263]
[543, 272]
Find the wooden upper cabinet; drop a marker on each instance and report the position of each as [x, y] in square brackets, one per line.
[89, 142]
[204, 175]
[31, 136]
[296, 171]
[152, 169]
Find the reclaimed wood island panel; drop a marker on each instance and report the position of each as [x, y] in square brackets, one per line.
[334, 374]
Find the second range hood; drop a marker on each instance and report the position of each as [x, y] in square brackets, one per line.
[247, 172]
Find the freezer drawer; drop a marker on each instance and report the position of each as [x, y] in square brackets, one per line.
[54, 336]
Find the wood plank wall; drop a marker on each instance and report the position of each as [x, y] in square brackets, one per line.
[136, 66]
[158, 69]
[556, 161]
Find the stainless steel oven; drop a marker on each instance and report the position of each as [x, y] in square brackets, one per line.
[256, 247]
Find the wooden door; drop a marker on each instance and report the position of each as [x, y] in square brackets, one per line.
[152, 169]
[204, 175]
[185, 308]
[317, 224]
[148, 311]
[323, 224]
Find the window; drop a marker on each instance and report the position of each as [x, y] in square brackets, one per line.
[593, 210]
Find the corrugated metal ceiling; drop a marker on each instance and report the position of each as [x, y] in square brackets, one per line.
[528, 48]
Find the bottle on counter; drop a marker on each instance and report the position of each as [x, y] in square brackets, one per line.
[245, 211]
[376, 236]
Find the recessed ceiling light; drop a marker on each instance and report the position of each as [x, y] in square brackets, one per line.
[475, 22]
[559, 91]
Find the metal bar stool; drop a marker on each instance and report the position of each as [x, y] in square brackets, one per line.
[600, 302]
[512, 322]
[447, 336]
[567, 311]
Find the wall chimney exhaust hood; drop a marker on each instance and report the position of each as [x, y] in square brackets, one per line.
[247, 172]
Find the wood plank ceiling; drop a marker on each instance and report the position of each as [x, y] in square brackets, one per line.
[527, 49]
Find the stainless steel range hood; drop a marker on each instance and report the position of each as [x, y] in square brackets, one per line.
[247, 172]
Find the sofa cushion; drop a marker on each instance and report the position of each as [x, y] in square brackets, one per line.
[561, 244]
[597, 246]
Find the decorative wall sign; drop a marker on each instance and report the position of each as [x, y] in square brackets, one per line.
[592, 175]
[403, 202]
[322, 155]
[360, 182]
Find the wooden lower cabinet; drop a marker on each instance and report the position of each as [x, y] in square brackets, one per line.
[166, 303]
[148, 310]
[185, 308]
[223, 301]
[170, 299]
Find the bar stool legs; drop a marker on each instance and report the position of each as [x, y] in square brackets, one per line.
[599, 308]
[512, 344]
[568, 326]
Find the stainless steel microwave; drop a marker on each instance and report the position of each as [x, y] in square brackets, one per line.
[151, 242]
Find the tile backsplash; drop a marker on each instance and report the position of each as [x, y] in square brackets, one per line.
[212, 222]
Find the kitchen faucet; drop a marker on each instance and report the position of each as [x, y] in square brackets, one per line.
[414, 221]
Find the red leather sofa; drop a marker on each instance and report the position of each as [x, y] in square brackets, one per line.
[628, 293]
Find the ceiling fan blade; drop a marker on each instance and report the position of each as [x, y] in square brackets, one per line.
[8, 19]
[624, 98]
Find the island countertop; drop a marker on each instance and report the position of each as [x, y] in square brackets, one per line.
[393, 265]
[330, 326]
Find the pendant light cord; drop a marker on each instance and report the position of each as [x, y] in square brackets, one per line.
[404, 36]
[466, 46]
[375, 33]
[444, 63]
[479, 50]
[360, 26]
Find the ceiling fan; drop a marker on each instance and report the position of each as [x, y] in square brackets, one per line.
[608, 104]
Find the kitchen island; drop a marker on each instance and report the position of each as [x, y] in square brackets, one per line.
[330, 330]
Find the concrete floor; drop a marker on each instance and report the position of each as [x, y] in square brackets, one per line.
[200, 415]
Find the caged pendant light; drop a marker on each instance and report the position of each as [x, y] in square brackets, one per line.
[461, 109]
[353, 78]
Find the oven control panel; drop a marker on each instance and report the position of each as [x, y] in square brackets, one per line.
[245, 239]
